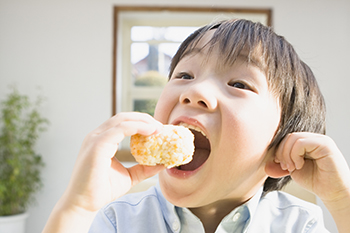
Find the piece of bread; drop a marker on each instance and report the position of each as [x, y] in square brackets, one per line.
[172, 147]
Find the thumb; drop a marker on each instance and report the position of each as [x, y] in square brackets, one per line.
[140, 172]
[274, 170]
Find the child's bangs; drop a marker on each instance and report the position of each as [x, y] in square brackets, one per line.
[234, 39]
[231, 39]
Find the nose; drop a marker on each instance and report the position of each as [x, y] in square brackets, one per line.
[200, 96]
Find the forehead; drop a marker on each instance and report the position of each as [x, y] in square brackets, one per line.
[226, 50]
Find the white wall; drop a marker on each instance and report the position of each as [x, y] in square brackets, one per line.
[65, 48]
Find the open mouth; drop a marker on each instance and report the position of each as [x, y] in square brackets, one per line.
[201, 152]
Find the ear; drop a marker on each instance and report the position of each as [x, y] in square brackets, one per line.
[274, 169]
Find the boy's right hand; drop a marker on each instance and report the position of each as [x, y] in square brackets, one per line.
[98, 177]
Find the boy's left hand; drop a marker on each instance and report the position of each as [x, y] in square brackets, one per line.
[315, 163]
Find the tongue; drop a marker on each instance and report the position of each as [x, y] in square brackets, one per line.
[201, 153]
[199, 157]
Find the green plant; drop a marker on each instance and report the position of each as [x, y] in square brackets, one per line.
[20, 165]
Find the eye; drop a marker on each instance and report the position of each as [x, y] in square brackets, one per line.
[238, 84]
[184, 76]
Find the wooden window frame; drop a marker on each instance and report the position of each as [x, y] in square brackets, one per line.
[117, 9]
[125, 155]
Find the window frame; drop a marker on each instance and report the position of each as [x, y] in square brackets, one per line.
[118, 9]
[117, 94]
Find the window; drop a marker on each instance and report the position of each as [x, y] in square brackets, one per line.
[150, 47]
[146, 38]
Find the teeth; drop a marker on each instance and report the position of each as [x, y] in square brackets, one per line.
[192, 127]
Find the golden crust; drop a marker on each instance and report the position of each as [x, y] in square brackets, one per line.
[172, 147]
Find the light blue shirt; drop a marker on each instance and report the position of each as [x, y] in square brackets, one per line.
[150, 212]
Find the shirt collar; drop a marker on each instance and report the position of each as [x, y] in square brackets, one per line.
[252, 204]
[241, 215]
[239, 218]
[169, 211]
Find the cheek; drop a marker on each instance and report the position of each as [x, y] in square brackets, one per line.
[159, 111]
[164, 106]
[250, 131]
[263, 128]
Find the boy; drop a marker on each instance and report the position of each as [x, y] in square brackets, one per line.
[263, 115]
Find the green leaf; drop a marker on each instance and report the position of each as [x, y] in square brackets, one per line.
[20, 126]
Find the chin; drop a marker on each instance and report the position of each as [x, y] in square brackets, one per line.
[181, 193]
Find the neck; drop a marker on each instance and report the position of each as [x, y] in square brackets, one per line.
[212, 214]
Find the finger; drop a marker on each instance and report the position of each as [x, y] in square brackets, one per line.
[127, 116]
[116, 134]
[274, 170]
[107, 142]
[280, 149]
[299, 152]
[311, 146]
[140, 172]
[283, 155]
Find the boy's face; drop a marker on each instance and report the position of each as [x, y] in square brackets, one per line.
[239, 115]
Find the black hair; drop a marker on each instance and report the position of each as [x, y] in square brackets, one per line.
[289, 78]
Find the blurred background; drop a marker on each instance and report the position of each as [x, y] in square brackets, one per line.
[63, 50]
